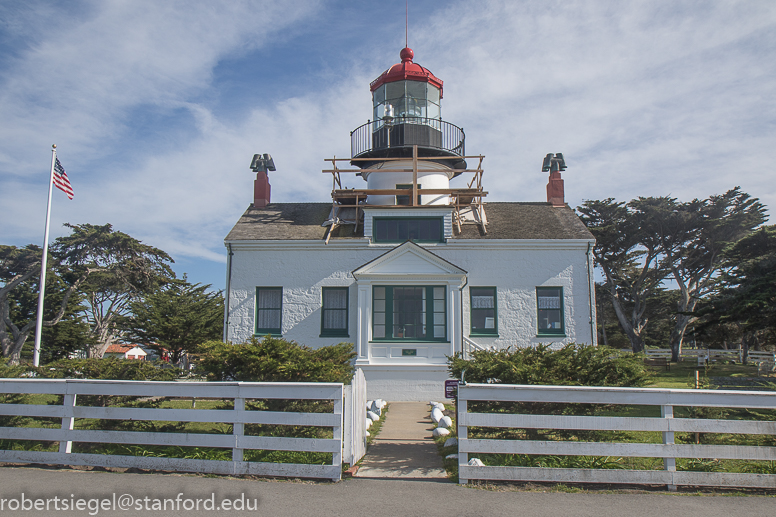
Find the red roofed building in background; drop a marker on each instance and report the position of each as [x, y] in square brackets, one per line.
[124, 351]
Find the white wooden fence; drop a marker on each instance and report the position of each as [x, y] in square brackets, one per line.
[354, 439]
[667, 425]
[238, 392]
[712, 354]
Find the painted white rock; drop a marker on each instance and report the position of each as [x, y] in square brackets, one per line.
[366, 433]
[374, 416]
[368, 423]
[383, 404]
[432, 403]
[436, 415]
[451, 457]
[476, 462]
[451, 441]
[445, 421]
[377, 405]
[441, 431]
[369, 404]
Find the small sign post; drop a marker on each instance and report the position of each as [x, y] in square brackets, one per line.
[451, 392]
[451, 388]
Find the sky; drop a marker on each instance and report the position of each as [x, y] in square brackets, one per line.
[157, 108]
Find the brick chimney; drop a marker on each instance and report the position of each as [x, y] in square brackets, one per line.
[555, 194]
[261, 165]
[261, 190]
[555, 164]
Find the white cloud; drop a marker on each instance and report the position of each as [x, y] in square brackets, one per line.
[630, 92]
[79, 85]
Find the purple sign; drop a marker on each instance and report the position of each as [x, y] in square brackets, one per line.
[451, 386]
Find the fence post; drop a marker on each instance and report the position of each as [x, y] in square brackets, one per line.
[359, 416]
[348, 420]
[336, 459]
[68, 420]
[463, 457]
[669, 464]
[238, 431]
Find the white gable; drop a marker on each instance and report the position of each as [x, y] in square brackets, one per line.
[409, 259]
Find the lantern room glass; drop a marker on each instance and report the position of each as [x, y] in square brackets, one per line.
[414, 101]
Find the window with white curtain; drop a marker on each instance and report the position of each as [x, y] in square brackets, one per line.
[549, 310]
[334, 311]
[269, 310]
[483, 311]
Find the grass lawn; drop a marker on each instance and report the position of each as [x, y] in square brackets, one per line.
[128, 449]
[682, 374]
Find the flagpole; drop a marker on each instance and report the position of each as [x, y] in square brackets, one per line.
[39, 324]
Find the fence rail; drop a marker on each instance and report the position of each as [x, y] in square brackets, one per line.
[666, 424]
[711, 354]
[238, 392]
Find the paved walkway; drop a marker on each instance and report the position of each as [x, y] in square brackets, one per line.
[404, 447]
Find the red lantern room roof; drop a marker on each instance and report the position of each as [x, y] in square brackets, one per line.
[406, 71]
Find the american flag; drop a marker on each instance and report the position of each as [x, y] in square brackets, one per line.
[61, 181]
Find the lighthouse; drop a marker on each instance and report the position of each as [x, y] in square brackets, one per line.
[402, 260]
[407, 115]
[407, 155]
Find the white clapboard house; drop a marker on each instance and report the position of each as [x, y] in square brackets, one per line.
[415, 266]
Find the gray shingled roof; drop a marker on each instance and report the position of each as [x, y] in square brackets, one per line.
[302, 221]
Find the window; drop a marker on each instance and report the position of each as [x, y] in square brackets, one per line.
[549, 308]
[406, 200]
[408, 99]
[412, 313]
[484, 315]
[269, 310]
[334, 312]
[400, 229]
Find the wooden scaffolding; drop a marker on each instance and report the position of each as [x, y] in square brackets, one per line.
[464, 201]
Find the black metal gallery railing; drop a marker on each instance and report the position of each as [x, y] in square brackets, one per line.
[406, 132]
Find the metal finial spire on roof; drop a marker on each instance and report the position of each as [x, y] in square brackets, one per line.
[407, 24]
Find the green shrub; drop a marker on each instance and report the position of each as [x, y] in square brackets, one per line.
[276, 360]
[8, 371]
[572, 365]
[105, 368]
[108, 368]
